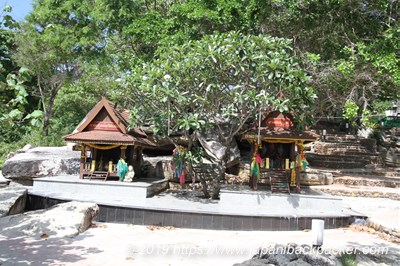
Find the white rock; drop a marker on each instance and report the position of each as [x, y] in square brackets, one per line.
[40, 162]
[12, 199]
[63, 220]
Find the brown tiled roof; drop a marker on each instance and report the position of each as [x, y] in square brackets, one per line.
[120, 117]
[107, 137]
[280, 133]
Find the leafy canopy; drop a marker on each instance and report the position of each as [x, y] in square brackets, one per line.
[219, 81]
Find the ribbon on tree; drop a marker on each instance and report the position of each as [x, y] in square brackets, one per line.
[255, 165]
[178, 163]
[301, 158]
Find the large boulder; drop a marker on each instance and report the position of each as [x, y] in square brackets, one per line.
[3, 182]
[159, 167]
[313, 177]
[292, 254]
[41, 162]
[62, 220]
[216, 149]
[12, 199]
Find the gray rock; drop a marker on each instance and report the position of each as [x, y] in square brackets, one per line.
[317, 259]
[63, 220]
[216, 150]
[3, 181]
[254, 262]
[12, 199]
[26, 147]
[40, 162]
[294, 255]
[279, 259]
[316, 178]
[160, 167]
[298, 262]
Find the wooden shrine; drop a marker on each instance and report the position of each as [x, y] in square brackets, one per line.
[104, 138]
[277, 152]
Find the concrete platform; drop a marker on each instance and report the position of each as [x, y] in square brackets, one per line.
[291, 203]
[84, 188]
[237, 210]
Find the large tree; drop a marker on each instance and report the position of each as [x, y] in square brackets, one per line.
[221, 82]
[55, 43]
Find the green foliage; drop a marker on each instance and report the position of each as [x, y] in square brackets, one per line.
[221, 79]
[367, 119]
[379, 107]
[348, 259]
[77, 50]
[16, 118]
[350, 111]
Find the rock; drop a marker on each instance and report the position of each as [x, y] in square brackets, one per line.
[298, 262]
[26, 147]
[62, 220]
[159, 167]
[216, 150]
[236, 179]
[293, 255]
[40, 162]
[254, 262]
[317, 259]
[316, 178]
[12, 199]
[364, 132]
[369, 144]
[3, 181]
[279, 259]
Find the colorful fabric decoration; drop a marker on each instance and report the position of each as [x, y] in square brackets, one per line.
[108, 147]
[178, 163]
[293, 177]
[301, 158]
[122, 169]
[255, 165]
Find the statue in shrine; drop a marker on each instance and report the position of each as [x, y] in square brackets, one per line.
[130, 175]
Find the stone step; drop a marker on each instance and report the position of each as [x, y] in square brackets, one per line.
[341, 138]
[359, 191]
[345, 152]
[337, 164]
[367, 181]
[337, 144]
[383, 172]
[314, 157]
[322, 149]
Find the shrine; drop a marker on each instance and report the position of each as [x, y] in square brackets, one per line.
[105, 140]
[277, 152]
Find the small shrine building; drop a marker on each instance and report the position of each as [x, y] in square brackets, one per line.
[277, 152]
[104, 138]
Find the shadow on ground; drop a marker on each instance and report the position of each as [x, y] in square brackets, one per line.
[43, 251]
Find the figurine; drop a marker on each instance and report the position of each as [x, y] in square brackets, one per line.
[130, 175]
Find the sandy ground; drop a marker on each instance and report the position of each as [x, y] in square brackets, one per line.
[121, 244]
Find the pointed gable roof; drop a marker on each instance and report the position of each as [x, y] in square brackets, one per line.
[118, 119]
[107, 124]
[279, 126]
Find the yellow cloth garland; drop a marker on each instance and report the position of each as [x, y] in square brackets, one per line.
[109, 147]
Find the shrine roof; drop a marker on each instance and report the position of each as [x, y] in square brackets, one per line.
[107, 137]
[270, 133]
[279, 126]
[108, 124]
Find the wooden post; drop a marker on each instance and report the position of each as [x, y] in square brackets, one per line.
[82, 162]
[123, 149]
[298, 168]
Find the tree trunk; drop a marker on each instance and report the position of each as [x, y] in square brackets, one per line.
[49, 110]
[216, 181]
